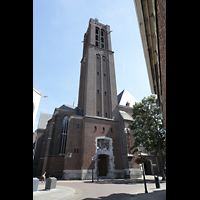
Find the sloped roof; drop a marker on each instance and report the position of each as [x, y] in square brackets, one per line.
[125, 116]
[125, 97]
[44, 118]
[37, 91]
[119, 96]
[67, 107]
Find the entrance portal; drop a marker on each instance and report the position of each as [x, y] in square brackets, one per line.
[102, 165]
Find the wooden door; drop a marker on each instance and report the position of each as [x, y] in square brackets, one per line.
[102, 165]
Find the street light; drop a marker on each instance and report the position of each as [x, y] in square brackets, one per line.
[92, 168]
[145, 185]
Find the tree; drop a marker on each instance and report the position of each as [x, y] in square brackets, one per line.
[148, 128]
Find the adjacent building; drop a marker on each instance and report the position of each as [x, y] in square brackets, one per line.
[39, 134]
[151, 16]
[36, 101]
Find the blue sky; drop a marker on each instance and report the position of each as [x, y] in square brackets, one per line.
[58, 31]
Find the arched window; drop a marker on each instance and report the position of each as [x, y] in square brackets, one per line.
[64, 135]
[65, 124]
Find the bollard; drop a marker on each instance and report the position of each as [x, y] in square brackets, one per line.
[50, 183]
[157, 181]
[35, 184]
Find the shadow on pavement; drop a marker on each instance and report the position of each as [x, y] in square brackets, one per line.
[155, 195]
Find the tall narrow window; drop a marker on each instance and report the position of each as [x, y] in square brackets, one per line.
[64, 135]
[102, 39]
[76, 150]
[97, 36]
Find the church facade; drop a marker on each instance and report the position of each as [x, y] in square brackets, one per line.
[94, 136]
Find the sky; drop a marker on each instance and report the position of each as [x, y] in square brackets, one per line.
[58, 32]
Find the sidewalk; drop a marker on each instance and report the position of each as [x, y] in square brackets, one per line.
[60, 192]
[83, 189]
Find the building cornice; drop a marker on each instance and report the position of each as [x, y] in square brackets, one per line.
[38, 92]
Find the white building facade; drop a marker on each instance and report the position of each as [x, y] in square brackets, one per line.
[36, 101]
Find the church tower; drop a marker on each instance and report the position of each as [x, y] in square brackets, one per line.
[93, 138]
[97, 89]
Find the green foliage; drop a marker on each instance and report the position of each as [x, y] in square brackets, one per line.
[148, 125]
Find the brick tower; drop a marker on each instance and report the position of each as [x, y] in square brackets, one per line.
[100, 137]
[97, 90]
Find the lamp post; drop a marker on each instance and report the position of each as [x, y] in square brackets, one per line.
[145, 185]
[92, 169]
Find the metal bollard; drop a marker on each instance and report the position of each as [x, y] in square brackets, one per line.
[157, 181]
[35, 184]
[50, 183]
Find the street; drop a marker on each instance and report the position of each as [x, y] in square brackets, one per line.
[108, 190]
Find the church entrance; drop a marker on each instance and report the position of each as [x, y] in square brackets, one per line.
[103, 165]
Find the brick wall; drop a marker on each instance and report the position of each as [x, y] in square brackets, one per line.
[89, 135]
[161, 22]
[74, 144]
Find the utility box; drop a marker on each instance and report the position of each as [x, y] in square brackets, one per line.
[35, 184]
[50, 183]
[157, 181]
